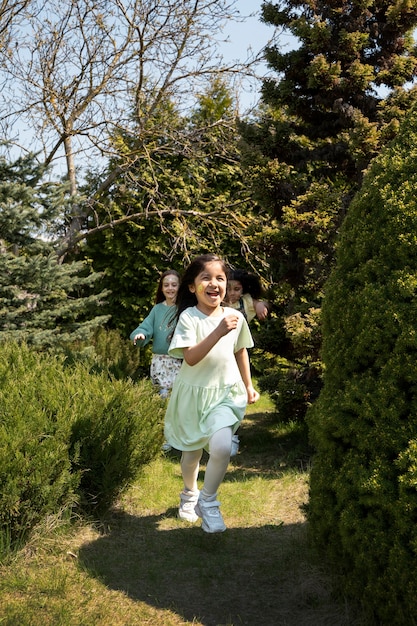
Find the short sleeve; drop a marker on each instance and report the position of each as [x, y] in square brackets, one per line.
[249, 306]
[184, 335]
[244, 337]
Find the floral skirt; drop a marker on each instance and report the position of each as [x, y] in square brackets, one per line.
[164, 369]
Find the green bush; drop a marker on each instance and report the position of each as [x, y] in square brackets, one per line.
[67, 436]
[35, 470]
[363, 494]
[109, 352]
[292, 391]
[294, 379]
[118, 355]
[116, 430]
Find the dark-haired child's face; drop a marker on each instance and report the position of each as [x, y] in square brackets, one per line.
[210, 287]
[234, 291]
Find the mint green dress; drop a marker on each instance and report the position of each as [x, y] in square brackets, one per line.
[211, 394]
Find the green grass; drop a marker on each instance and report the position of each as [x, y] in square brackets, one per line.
[142, 565]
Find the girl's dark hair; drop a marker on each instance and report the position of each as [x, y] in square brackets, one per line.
[185, 298]
[159, 294]
[250, 282]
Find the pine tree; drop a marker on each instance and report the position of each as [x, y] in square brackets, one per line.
[42, 302]
[336, 100]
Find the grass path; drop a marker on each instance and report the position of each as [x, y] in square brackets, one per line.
[145, 566]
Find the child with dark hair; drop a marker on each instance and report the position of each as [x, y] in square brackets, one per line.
[244, 291]
[212, 389]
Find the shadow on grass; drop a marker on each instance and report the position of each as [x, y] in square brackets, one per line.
[263, 433]
[254, 576]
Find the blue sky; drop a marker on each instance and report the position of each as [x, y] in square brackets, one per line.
[254, 34]
[250, 34]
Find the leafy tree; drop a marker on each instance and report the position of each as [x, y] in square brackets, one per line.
[336, 100]
[42, 302]
[363, 505]
[186, 203]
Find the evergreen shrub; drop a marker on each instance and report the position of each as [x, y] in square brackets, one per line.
[363, 493]
[67, 437]
[108, 351]
[116, 354]
[36, 477]
[291, 391]
[116, 430]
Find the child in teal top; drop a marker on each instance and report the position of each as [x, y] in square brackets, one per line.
[157, 327]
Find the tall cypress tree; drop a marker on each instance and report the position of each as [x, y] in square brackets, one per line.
[363, 499]
[42, 302]
[336, 99]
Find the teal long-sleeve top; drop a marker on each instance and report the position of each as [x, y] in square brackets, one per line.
[158, 325]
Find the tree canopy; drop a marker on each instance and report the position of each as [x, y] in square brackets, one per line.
[336, 99]
[81, 67]
[189, 201]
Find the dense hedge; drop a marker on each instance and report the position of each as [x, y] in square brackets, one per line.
[363, 493]
[68, 438]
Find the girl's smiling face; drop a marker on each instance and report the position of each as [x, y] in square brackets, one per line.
[170, 285]
[210, 288]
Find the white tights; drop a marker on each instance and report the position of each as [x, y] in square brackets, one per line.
[220, 446]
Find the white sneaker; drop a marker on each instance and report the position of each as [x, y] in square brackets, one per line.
[188, 501]
[209, 512]
[235, 445]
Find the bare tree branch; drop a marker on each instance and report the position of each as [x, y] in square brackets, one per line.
[68, 243]
[87, 71]
[9, 11]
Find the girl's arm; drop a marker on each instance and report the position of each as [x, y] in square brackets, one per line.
[261, 309]
[242, 360]
[144, 332]
[195, 354]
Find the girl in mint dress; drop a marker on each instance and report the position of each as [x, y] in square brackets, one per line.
[212, 388]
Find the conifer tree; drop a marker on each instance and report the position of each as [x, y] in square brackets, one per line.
[42, 302]
[335, 100]
[363, 501]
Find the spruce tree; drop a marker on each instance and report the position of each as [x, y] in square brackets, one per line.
[42, 301]
[335, 100]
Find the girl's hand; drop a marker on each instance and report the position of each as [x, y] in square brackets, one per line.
[138, 337]
[194, 354]
[253, 395]
[228, 323]
[261, 310]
